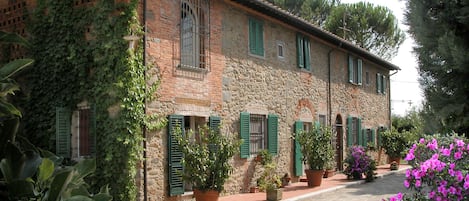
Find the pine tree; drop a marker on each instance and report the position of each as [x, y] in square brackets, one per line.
[441, 32]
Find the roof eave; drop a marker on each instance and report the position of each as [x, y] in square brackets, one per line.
[277, 13]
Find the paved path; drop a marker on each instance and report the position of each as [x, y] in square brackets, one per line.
[373, 191]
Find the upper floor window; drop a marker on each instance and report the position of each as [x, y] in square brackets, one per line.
[380, 83]
[194, 34]
[256, 37]
[355, 68]
[303, 52]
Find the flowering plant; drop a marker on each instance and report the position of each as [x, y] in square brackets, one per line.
[439, 172]
[358, 162]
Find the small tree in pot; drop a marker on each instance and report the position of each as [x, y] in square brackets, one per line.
[206, 159]
[317, 150]
[394, 143]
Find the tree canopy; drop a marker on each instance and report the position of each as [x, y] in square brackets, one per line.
[441, 32]
[315, 11]
[371, 27]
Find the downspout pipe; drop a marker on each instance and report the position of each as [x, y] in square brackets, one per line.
[389, 99]
[329, 82]
[144, 129]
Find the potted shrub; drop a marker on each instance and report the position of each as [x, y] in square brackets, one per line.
[264, 157]
[358, 162]
[317, 150]
[206, 160]
[270, 182]
[330, 165]
[394, 144]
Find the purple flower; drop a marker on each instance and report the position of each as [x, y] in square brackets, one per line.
[433, 144]
[459, 143]
[406, 183]
[457, 155]
[431, 194]
[418, 183]
[422, 141]
[446, 152]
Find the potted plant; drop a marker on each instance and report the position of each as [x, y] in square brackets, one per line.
[317, 150]
[330, 165]
[358, 162]
[394, 144]
[264, 157]
[270, 182]
[206, 160]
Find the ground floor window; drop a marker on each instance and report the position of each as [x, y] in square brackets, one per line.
[258, 132]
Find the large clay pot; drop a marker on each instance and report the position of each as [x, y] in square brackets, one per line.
[397, 159]
[210, 195]
[314, 177]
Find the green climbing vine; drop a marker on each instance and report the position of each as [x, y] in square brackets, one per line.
[81, 55]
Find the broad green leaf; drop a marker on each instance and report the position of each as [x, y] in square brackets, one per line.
[85, 167]
[8, 87]
[46, 169]
[6, 37]
[81, 190]
[59, 184]
[20, 188]
[78, 198]
[14, 66]
[7, 109]
[31, 163]
[102, 197]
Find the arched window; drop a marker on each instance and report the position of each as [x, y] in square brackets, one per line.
[193, 33]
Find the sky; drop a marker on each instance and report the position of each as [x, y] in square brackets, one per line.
[405, 89]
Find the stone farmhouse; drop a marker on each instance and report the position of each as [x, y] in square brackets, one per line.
[261, 73]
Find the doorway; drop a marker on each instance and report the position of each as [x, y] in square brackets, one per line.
[339, 143]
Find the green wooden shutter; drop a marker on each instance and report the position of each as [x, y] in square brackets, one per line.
[298, 154]
[252, 36]
[384, 84]
[175, 155]
[214, 123]
[63, 132]
[307, 54]
[260, 38]
[244, 132]
[300, 51]
[272, 133]
[350, 69]
[378, 83]
[359, 71]
[359, 131]
[373, 137]
[349, 131]
[92, 124]
[379, 132]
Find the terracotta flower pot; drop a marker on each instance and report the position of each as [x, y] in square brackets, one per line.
[329, 173]
[210, 195]
[314, 177]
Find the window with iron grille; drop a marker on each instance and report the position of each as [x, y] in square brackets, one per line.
[258, 133]
[194, 28]
[355, 131]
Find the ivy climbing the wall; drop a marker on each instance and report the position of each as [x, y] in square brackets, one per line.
[81, 55]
